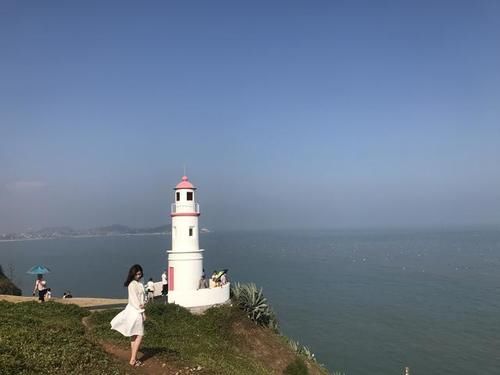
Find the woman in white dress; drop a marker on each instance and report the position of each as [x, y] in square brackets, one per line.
[130, 322]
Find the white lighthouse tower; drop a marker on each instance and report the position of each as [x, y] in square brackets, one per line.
[185, 260]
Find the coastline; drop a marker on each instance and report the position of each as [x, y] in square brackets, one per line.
[88, 236]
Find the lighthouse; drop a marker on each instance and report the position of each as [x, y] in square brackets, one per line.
[185, 259]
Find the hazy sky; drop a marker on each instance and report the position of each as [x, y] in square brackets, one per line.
[288, 114]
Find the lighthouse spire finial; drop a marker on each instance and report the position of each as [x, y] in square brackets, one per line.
[184, 169]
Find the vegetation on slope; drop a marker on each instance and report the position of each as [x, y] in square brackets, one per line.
[7, 286]
[48, 338]
[221, 341]
[174, 334]
[251, 300]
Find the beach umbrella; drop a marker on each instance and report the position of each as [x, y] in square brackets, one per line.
[38, 270]
[219, 274]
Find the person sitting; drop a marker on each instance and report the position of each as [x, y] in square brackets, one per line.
[223, 280]
[67, 294]
[212, 280]
[203, 283]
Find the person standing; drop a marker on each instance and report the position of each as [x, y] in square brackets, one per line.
[150, 286]
[164, 283]
[40, 287]
[130, 322]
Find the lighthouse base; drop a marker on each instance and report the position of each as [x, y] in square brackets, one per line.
[200, 297]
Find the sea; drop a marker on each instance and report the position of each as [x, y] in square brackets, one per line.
[363, 301]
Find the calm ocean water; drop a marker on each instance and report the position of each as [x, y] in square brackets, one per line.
[364, 302]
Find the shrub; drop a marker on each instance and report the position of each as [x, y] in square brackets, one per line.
[251, 300]
[297, 367]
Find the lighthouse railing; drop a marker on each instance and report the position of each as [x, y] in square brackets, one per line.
[185, 207]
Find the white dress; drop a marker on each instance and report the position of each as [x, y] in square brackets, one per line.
[129, 322]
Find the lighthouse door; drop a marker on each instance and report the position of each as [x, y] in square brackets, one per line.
[170, 278]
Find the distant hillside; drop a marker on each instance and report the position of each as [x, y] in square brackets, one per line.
[7, 286]
[65, 231]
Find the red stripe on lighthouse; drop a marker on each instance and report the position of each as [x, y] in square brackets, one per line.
[185, 214]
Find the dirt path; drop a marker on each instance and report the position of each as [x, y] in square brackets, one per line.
[152, 365]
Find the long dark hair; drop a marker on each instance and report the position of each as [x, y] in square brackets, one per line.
[131, 273]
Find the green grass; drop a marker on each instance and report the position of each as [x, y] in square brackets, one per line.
[297, 367]
[48, 339]
[173, 333]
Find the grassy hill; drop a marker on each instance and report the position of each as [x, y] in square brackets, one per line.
[51, 338]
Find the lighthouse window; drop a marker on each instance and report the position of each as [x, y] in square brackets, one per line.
[189, 195]
[178, 196]
[190, 232]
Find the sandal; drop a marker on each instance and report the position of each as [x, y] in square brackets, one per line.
[137, 363]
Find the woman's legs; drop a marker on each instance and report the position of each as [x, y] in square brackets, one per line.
[135, 343]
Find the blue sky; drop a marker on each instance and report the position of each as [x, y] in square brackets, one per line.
[287, 114]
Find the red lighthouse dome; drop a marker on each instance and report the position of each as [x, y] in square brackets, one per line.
[185, 184]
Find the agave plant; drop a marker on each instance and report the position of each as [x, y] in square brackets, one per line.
[304, 350]
[251, 300]
[294, 345]
[235, 291]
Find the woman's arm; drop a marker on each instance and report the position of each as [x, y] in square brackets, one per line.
[134, 296]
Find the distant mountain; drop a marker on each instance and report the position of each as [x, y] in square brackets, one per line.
[65, 231]
[56, 231]
[160, 229]
[112, 229]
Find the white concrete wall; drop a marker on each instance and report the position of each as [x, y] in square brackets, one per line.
[181, 240]
[185, 257]
[184, 205]
[201, 297]
[188, 268]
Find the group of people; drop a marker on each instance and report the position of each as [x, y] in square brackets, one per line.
[218, 278]
[150, 287]
[45, 293]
